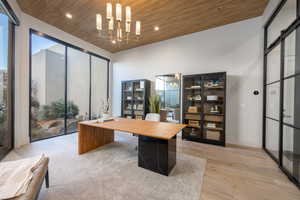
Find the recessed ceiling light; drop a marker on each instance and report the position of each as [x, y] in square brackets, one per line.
[156, 28]
[113, 41]
[68, 15]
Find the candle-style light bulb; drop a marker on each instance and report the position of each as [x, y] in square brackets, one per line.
[118, 12]
[108, 11]
[128, 14]
[99, 22]
[138, 28]
[127, 27]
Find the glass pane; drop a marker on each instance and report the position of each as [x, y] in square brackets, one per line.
[273, 92]
[99, 85]
[290, 67]
[127, 96]
[291, 151]
[47, 88]
[291, 106]
[273, 65]
[284, 18]
[5, 132]
[78, 88]
[272, 137]
[168, 88]
[139, 94]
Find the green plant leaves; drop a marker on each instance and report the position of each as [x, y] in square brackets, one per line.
[154, 106]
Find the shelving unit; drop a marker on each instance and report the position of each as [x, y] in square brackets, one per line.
[135, 98]
[204, 108]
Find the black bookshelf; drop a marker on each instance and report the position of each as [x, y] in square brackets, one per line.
[204, 108]
[135, 98]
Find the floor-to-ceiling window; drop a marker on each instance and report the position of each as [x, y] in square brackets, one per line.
[99, 83]
[7, 23]
[65, 84]
[282, 88]
[78, 94]
[47, 88]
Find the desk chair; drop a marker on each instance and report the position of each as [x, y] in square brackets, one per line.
[151, 117]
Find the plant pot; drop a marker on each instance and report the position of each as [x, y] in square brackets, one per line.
[153, 117]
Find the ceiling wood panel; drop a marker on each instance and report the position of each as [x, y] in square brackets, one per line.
[174, 17]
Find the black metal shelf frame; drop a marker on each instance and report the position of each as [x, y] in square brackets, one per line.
[132, 101]
[201, 130]
[280, 41]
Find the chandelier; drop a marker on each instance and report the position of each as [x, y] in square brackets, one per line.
[115, 32]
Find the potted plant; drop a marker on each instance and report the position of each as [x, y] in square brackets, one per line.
[154, 108]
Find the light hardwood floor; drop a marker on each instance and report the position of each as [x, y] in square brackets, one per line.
[231, 173]
[234, 173]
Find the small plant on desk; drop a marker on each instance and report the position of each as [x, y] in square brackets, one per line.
[154, 106]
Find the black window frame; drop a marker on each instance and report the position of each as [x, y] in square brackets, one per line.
[267, 49]
[13, 22]
[66, 45]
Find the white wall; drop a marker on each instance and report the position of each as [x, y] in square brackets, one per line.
[235, 48]
[22, 66]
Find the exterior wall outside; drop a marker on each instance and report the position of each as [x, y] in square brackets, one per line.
[54, 77]
[48, 70]
[99, 83]
[78, 80]
[39, 76]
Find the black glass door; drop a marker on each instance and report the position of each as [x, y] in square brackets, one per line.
[291, 105]
[281, 137]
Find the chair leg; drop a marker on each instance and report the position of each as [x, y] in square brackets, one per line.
[47, 179]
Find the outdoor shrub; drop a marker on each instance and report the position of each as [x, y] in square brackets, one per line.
[57, 110]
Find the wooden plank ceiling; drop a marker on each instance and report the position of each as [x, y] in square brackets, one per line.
[174, 17]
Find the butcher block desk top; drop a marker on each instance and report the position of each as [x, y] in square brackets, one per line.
[161, 130]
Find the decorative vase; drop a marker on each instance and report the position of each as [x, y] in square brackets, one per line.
[106, 115]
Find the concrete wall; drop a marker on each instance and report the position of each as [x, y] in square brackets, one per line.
[39, 76]
[99, 83]
[78, 80]
[48, 76]
[55, 77]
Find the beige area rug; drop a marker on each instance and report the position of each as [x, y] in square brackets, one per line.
[111, 172]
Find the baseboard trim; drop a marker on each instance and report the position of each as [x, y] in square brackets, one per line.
[243, 147]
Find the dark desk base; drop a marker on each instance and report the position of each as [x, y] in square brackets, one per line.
[157, 155]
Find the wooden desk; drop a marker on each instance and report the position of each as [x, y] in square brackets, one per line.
[156, 146]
